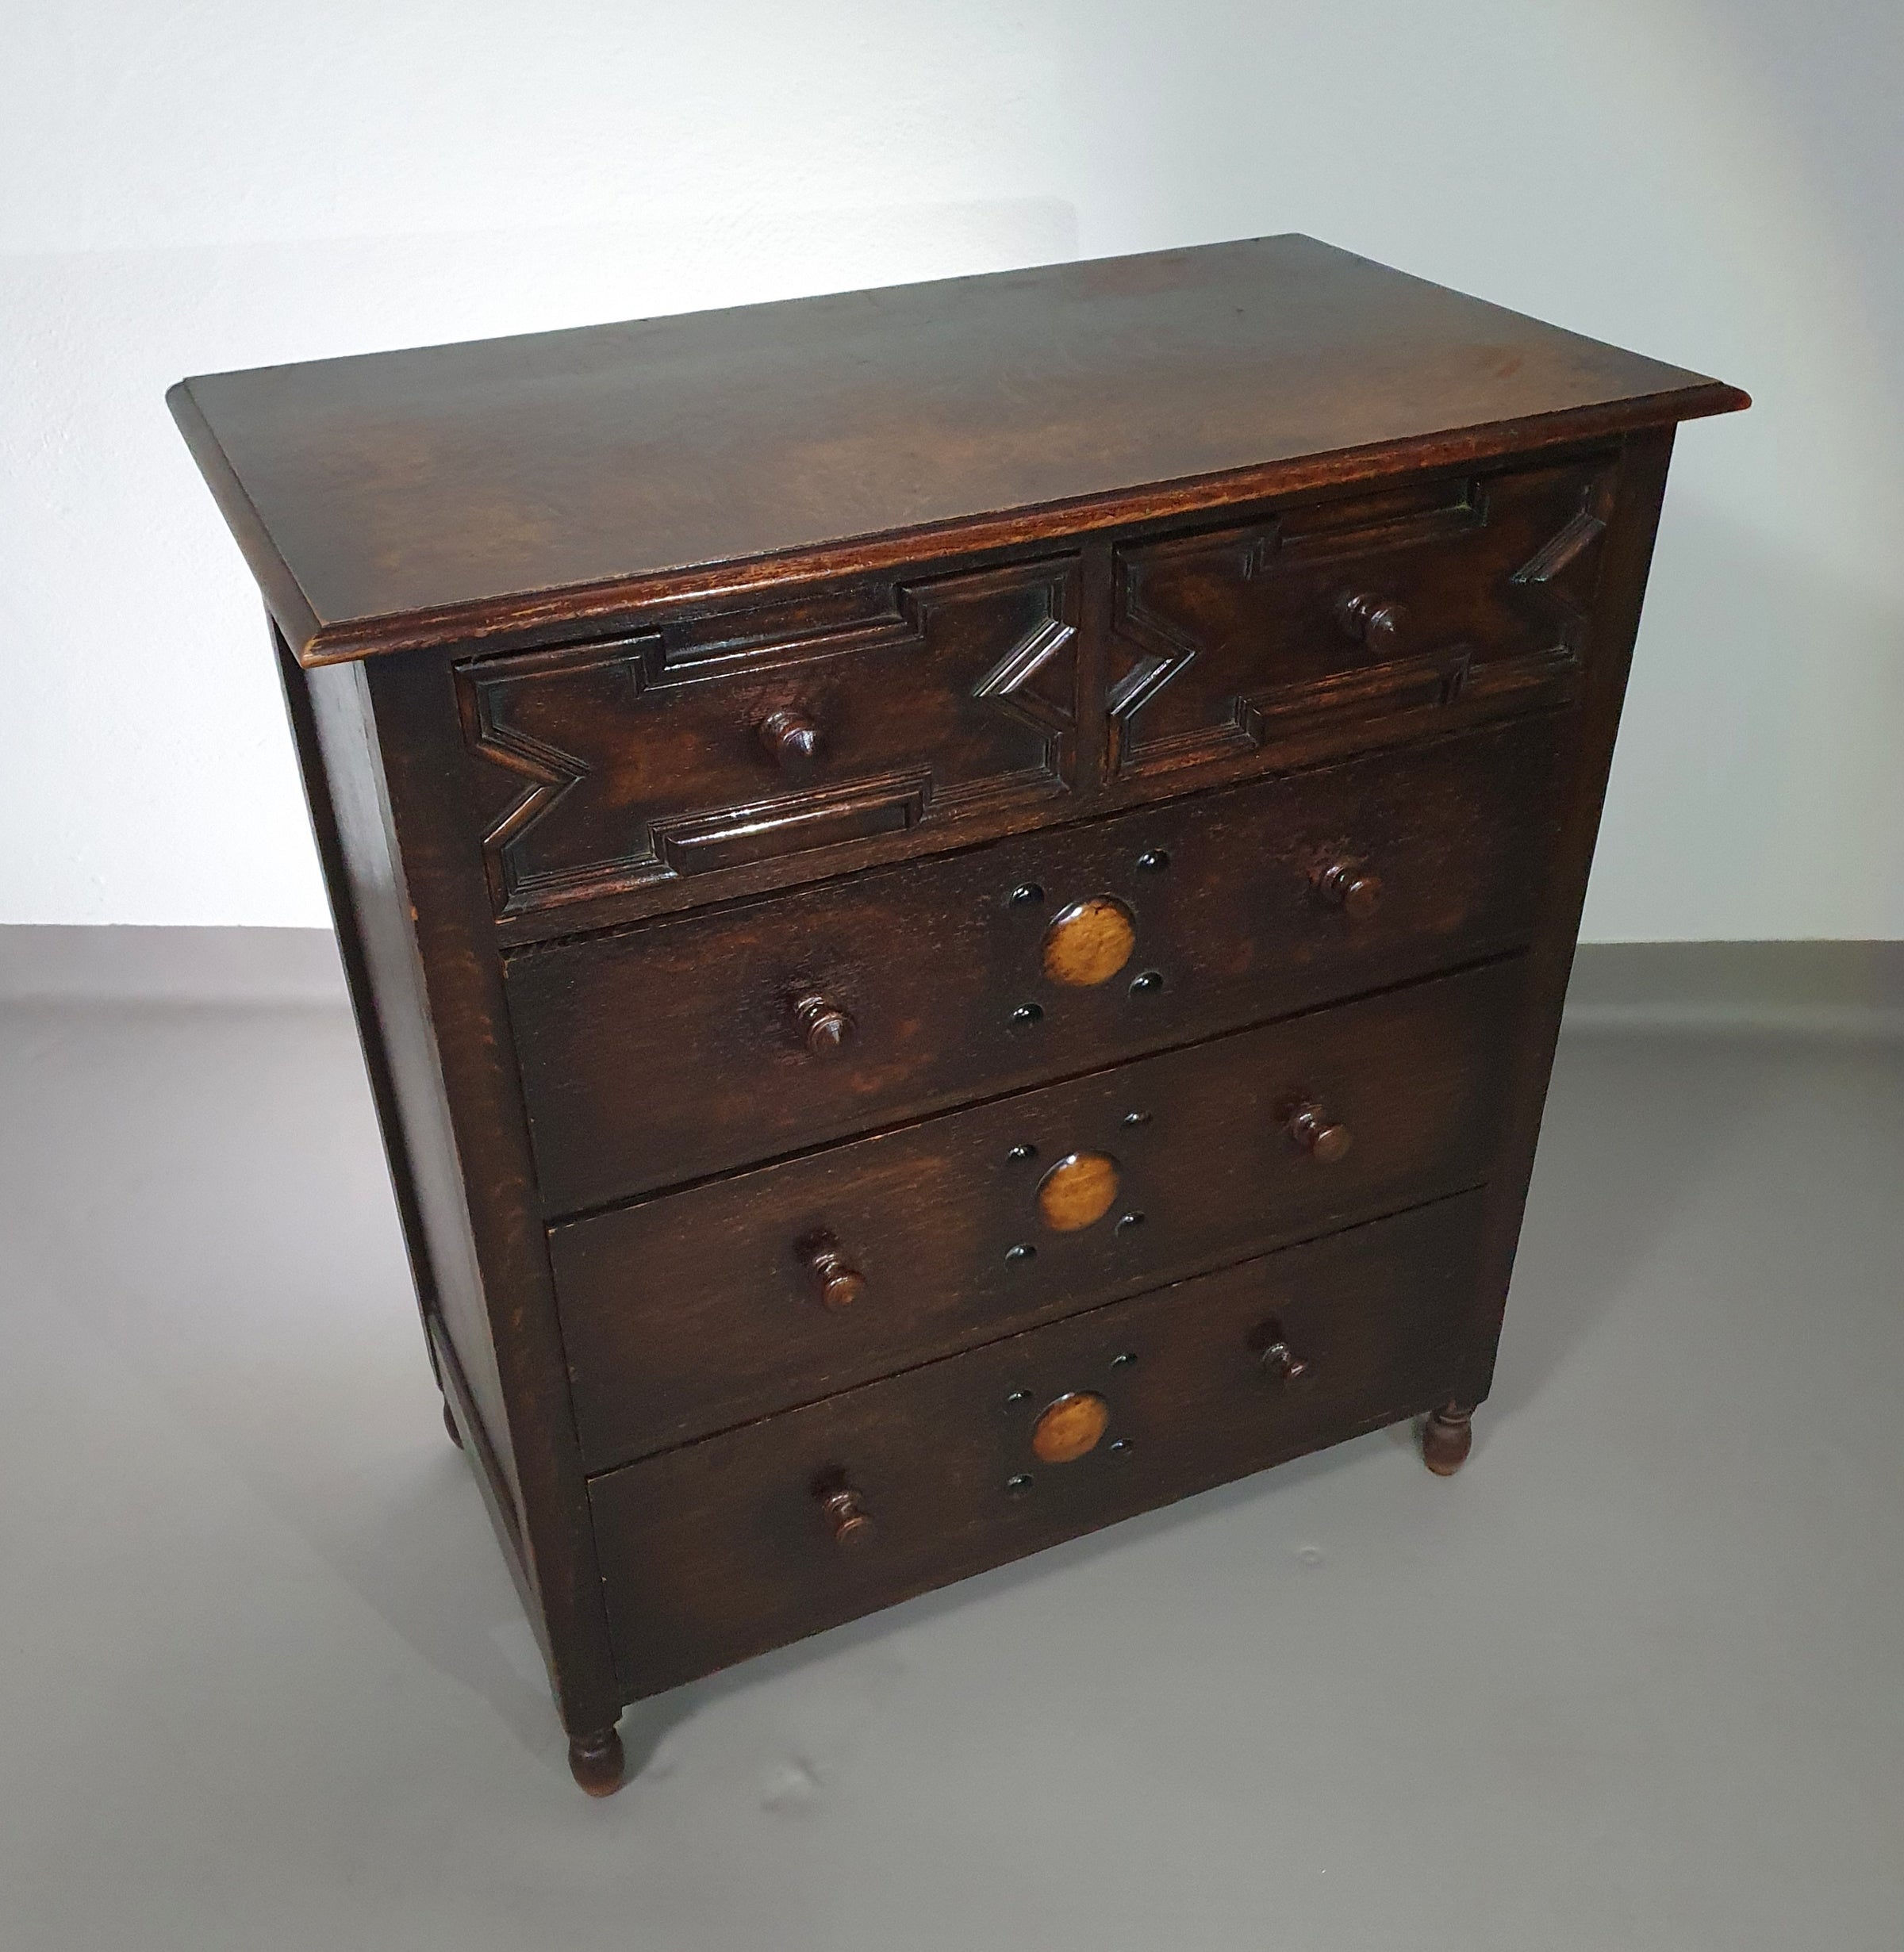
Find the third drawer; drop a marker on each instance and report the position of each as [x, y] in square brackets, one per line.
[701, 1309]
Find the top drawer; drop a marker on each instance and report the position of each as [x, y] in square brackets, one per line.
[688, 1046]
[1468, 593]
[730, 740]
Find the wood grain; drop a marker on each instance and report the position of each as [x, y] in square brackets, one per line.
[465, 489]
[718, 1550]
[673, 1052]
[694, 1310]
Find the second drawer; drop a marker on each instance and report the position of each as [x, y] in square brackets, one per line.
[692, 1046]
[704, 1308]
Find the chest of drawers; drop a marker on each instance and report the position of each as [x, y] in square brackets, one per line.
[957, 898]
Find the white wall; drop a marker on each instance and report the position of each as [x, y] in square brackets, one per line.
[1715, 181]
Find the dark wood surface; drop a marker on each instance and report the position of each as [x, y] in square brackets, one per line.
[724, 749]
[1457, 585]
[1264, 615]
[721, 1549]
[719, 741]
[676, 1050]
[404, 497]
[701, 1309]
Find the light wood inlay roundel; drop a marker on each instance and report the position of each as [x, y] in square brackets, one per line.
[1069, 1427]
[1077, 1192]
[1089, 942]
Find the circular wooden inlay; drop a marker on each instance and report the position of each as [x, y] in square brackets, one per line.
[1089, 942]
[1077, 1192]
[1070, 1427]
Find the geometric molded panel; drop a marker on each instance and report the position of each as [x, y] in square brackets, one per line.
[652, 756]
[1225, 641]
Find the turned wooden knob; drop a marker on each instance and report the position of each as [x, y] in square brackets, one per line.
[1357, 894]
[824, 1026]
[847, 1514]
[1310, 1126]
[1281, 1366]
[790, 737]
[1376, 622]
[840, 1283]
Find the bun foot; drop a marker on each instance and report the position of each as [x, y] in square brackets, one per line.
[449, 1423]
[1447, 1437]
[596, 1761]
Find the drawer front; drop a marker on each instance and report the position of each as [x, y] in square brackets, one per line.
[699, 1310]
[724, 1548]
[719, 741]
[682, 1048]
[1240, 640]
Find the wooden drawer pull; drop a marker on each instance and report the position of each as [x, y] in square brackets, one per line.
[847, 1513]
[790, 737]
[1310, 1126]
[1357, 894]
[840, 1283]
[1282, 1367]
[1375, 622]
[824, 1026]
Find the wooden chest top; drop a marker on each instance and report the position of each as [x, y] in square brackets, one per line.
[479, 490]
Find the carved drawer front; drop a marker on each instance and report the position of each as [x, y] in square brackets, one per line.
[716, 742]
[688, 1047]
[721, 1549]
[704, 1308]
[1351, 613]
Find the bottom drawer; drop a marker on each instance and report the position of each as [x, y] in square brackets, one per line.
[722, 1549]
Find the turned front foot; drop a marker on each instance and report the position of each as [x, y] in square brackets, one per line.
[596, 1761]
[1447, 1437]
[449, 1423]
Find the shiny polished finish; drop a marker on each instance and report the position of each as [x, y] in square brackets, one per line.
[793, 783]
[1281, 1366]
[1356, 893]
[840, 1284]
[851, 1522]
[1089, 942]
[792, 738]
[1068, 1427]
[1377, 624]
[1078, 1191]
[1318, 1135]
[824, 1026]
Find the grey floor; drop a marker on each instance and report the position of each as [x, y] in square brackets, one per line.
[1635, 1679]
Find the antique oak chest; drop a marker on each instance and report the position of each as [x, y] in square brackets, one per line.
[957, 898]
